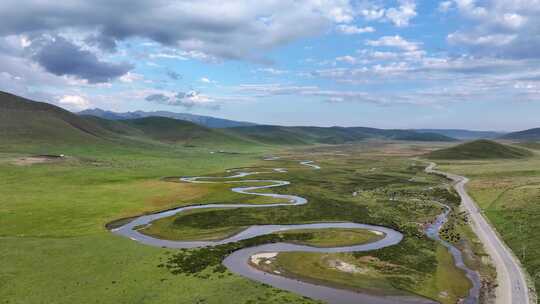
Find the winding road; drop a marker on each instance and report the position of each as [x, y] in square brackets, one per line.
[512, 284]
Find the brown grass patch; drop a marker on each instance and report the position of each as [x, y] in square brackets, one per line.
[172, 194]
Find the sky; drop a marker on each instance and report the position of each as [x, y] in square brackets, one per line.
[388, 64]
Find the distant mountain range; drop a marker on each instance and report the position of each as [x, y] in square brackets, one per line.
[328, 135]
[526, 135]
[464, 134]
[27, 121]
[207, 121]
[23, 120]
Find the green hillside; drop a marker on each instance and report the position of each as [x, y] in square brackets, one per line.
[32, 123]
[480, 149]
[331, 135]
[23, 121]
[26, 121]
[172, 130]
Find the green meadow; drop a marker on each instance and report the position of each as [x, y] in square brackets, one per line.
[56, 249]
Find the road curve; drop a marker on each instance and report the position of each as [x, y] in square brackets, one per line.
[511, 279]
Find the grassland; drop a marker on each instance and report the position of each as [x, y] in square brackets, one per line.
[508, 191]
[56, 249]
[337, 237]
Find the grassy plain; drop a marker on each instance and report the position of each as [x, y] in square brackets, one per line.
[55, 248]
[337, 237]
[508, 191]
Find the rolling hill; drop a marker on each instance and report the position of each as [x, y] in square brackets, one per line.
[27, 121]
[332, 135]
[206, 121]
[480, 149]
[463, 134]
[526, 135]
[180, 131]
[23, 121]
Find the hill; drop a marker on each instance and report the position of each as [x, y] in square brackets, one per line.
[24, 120]
[206, 121]
[332, 135]
[463, 134]
[480, 149]
[180, 131]
[27, 121]
[396, 134]
[526, 135]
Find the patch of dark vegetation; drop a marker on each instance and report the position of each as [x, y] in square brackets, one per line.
[449, 232]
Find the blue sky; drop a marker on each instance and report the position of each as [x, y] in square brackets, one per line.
[389, 64]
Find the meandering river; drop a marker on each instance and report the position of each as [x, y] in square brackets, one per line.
[237, 262]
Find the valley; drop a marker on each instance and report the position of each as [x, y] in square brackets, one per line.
[350, 220]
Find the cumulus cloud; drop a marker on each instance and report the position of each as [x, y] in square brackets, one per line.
[74, 102]
[500, 28]
[394, 42]
[333, 96]
[400, 16]
[238, 30]
[102, 41]
[61, 57]
[130, 77]
[488, 41]
[445, 6]
[187, 100]
[352, 29]
[158, 98]
[206, 80]
[272, 71]
[174, 75]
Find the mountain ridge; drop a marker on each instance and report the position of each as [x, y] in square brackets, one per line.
[203, 120]
[525, 135]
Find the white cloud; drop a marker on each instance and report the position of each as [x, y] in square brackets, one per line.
[348, 59]
[401, 15]
[496, 40]
[501, 28]
[445, 6]
[130, 77]
[74, 102]
[238, 30]
[394, 42]
[272, 71]
[513, 20]
[351, 29]
[373, 14]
